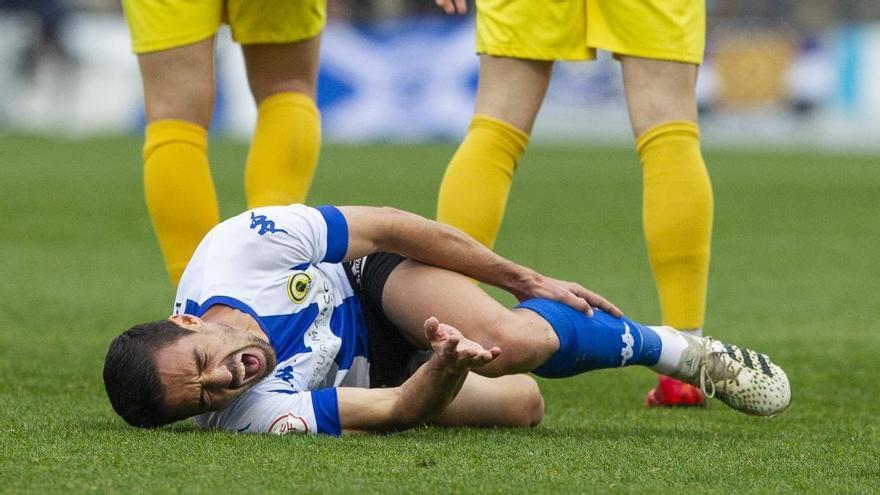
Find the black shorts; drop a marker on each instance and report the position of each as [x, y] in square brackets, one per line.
[392, 358]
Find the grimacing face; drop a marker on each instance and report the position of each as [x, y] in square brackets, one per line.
[209, 368]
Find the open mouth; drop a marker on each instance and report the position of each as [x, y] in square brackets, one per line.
[244, 368]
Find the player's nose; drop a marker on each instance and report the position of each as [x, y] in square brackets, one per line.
[219, 377]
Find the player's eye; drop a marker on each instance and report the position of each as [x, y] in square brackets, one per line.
[201, 363]
[203, 399]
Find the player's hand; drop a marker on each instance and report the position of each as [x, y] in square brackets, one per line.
[452, 6]
[455, 352]
[573, 294]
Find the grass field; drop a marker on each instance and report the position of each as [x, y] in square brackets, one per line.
[795, 274]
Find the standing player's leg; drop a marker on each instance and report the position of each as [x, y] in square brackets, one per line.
[287, 138]
[677, 197]
[517, 42]
[473, 193]
[179, 97]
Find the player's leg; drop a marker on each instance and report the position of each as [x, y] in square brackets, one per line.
[556, 341]
[473, 192]
[517, 42]
[179, 96]
[287, 138]
[175, 46]
[512, 401]
[530, 338]
[281, 41]
[659, 53]
[677, 206]
[677, 197]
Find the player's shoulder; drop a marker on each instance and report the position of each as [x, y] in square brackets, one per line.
[261, 409]
[255, 227]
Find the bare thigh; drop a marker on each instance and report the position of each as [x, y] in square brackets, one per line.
[658, 91]
[282, 67]
[415, 291]
[179, 83]
[513, 401]
[512, 89]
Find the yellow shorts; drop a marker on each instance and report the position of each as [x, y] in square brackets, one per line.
[162, 24]
[573, 29]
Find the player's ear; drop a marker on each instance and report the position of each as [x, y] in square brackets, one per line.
[189, 322]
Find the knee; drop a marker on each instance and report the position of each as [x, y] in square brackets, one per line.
[530, 403]
[179, 83]
[193, 103]
[262, 89]
[525, 341]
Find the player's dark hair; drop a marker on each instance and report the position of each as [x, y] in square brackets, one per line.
[130, 377]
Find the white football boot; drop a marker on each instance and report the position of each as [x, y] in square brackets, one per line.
[741, 378]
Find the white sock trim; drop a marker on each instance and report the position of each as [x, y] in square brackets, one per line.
[674, 346]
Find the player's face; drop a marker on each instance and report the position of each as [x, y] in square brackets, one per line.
[206, 370]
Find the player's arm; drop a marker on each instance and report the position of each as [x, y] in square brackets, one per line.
[373, 229]
[424, 395]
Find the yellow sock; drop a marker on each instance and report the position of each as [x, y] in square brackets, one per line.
[473, 193]
[677, 216]
[179, 190]
[284, 150]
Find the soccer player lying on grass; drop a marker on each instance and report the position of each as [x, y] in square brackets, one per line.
[292, 318]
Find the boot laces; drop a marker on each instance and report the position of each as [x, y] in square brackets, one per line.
[716, 367]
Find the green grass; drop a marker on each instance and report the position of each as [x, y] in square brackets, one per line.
[795, 274]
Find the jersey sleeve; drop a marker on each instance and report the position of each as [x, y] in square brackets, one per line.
[301, 234]
[280, 412]
[244, 250]
[295, 233]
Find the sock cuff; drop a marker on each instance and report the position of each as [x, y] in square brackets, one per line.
[166, 131]
[559, 364]
[667, 130]
[288, 99]
[514, 139]
[555, 314]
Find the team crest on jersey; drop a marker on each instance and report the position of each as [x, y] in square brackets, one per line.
[288, 423]
[298, 286]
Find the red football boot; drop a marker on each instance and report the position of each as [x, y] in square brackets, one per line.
[671, 392]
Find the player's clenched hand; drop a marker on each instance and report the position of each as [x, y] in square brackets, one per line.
[575, 295]
[453, 351]
[452, 6]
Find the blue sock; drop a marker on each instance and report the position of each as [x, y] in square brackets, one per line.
[593, 343]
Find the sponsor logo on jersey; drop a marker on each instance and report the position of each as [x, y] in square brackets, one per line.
[265, 225]
[298, 286]
[288, 423]
[627, 352]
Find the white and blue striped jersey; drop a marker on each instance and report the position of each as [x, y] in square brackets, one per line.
[281, 265]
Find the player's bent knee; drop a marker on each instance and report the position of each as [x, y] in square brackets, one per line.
[523, 347]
